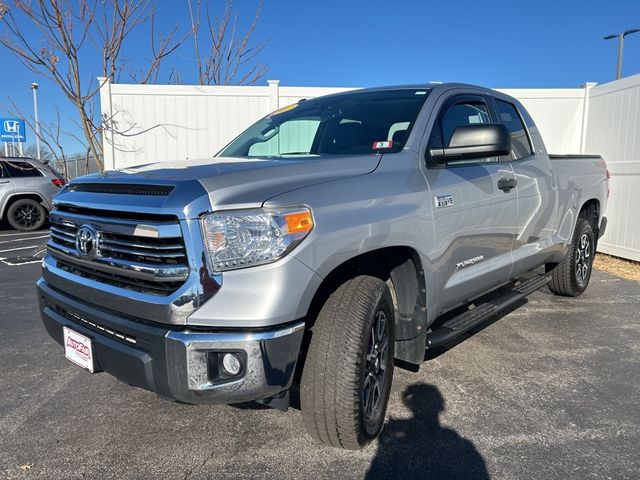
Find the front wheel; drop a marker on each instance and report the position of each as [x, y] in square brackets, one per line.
[347, 374]
[571, 276]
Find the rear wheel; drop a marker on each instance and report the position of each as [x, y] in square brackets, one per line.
[347, 375]
[26, 215]
[571, 276]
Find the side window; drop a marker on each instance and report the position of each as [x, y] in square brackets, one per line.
[19, 169]
[464, 112]
[509, 116]
[3, 171]
[454, 114]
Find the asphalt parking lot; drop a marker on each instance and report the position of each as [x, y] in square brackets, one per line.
[550, 390]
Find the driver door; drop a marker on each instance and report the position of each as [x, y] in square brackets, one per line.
[474, 219]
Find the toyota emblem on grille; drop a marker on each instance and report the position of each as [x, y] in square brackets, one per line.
[87, 241]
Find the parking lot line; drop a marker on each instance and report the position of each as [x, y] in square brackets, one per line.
[39, 232]
[16, 263]
[22, 239]
[19, 248]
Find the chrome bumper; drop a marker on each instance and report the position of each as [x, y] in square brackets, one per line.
[270, 359]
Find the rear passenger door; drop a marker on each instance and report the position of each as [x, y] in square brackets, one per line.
[474, 220]
[6, 187]
[535, 191]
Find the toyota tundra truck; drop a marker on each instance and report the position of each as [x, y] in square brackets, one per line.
[331, 238]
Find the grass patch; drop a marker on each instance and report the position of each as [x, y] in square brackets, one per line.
[618, 266]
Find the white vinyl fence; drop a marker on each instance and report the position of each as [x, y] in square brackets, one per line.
[150, 123]
[613, 130]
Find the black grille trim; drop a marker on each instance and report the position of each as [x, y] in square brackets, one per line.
[123, 188]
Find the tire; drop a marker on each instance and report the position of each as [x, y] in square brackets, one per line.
[26, 215]
[571, 276]
[347, 376]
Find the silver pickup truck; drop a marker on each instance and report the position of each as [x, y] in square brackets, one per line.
[330, 238]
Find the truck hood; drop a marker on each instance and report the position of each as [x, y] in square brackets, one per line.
[248, 182]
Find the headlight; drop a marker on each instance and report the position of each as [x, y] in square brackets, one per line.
[243, 238]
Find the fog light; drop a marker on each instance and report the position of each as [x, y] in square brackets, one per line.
[231, 364]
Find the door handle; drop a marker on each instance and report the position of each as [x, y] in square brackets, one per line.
[506, 184]
[4, 181]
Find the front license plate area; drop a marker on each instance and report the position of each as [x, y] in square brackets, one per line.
[78, 349]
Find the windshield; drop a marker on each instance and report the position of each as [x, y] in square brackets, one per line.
[355, 123]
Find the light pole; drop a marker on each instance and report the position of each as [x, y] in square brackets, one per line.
[34, 87]
[620, 37]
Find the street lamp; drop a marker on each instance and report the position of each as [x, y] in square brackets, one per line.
[34, 87]
[620, 38]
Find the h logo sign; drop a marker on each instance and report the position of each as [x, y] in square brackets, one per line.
[12, 126]
[12, 130]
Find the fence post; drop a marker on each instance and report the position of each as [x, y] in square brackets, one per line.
[585, 113]
[274, 94]
[106, 111]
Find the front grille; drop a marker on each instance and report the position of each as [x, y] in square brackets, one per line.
[123, 188]
[146, 255]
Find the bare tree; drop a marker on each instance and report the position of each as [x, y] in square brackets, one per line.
[229, 58]
[32, 152]
[72, 33]
[69, 32]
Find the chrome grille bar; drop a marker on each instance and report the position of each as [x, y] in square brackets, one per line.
[129, 244]
[143, 271]
[106, 246]
[144, 229]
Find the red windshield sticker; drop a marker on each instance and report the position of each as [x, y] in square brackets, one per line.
[382, 145]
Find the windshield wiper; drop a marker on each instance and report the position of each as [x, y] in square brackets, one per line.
[297, 153]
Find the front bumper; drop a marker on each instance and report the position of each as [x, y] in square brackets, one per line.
[177, 363]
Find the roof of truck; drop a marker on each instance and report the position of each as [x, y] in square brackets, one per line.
[417, 86]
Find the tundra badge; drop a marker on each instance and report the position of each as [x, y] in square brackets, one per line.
[470, 261]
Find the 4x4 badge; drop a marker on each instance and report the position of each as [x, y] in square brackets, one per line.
[444, 201]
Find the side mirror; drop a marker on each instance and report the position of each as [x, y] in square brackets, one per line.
[475, 141]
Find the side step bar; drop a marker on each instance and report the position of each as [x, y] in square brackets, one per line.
[464, 322]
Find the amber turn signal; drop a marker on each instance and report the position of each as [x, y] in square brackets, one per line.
[299, 222]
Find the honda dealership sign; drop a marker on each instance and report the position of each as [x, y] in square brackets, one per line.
[12, 130]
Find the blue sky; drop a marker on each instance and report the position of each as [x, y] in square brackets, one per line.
[365, 43]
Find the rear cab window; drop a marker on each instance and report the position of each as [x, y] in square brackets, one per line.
[510, 117]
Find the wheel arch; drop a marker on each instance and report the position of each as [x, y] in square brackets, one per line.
[14, 197]
[590, 210]
[401, 268]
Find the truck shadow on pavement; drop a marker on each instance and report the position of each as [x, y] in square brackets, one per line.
[420, 447]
